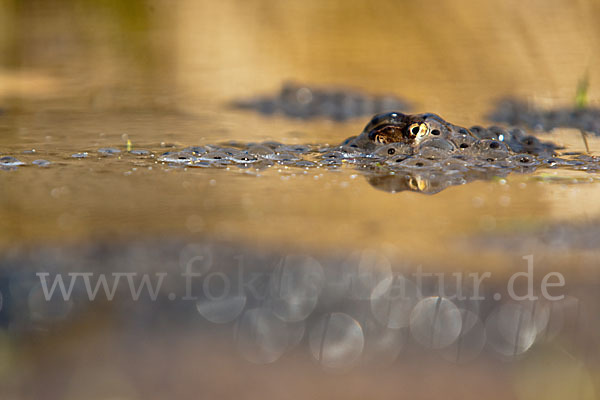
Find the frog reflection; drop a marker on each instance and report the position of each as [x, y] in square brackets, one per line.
[427, 182]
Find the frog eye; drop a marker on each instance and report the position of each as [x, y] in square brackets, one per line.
[379, 139]
[419, 129]
[417, 184]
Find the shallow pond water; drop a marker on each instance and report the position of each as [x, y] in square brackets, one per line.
[106, 112]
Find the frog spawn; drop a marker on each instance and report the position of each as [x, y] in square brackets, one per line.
[456, 156]
[258, 156]
[517, 112]
[448, 156]
[303, 102]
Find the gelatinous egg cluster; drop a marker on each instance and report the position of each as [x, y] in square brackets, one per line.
[395, 152]
[427, 167]
[432, 165]
[517, 112]
[304, 102]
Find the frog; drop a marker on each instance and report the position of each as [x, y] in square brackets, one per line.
[426, 153]
[410, 133]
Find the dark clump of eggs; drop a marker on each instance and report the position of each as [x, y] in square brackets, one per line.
[516, 112]
[442, 159]
[338, 104]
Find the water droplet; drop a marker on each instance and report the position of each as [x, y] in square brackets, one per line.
[8, 161]
[262, 337]
[222, 310]
[140, 152]
[41, 163]
[392, 301]
[435, 322]
[382, 345]
[108, 151]
[294, 287]
[178, 158]
[471, 341]
[336, 341]
[370, 268]
[511, 330]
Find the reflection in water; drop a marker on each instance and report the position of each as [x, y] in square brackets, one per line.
[426, 182]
